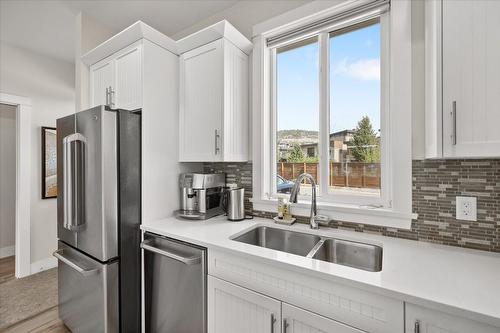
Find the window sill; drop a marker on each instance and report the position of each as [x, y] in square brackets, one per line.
[343, 212]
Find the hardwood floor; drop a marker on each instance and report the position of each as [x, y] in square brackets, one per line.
[44, 320]
[7, 269]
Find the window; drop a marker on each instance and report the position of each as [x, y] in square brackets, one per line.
[297, 110]
[355, 128]
[352, 162]
[330, 99]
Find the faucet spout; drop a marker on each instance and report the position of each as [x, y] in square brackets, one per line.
[295, 191]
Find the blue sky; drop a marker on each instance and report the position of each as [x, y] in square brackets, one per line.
[354, 82]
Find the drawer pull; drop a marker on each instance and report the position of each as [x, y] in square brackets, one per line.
[454, 122]
[417, 326]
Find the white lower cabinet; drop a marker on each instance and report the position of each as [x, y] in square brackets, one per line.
[235, 309]
[423, 320]
[258, 297]
[340, 303]
[296, 320]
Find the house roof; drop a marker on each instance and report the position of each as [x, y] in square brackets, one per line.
[343, 132]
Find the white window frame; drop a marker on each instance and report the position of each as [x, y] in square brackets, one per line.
[393, 207]
[323, 40]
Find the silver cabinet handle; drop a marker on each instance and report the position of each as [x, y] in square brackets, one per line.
[85, 272]
[285, 325]
[273, 320]
[68, 190]
[454, 122]
[107, 96]
[188, 261]
[217, 136]
[417, 326]
[111, 98]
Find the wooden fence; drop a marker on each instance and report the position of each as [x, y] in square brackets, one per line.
[359, 174]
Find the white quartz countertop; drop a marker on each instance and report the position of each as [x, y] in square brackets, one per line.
[460, 281]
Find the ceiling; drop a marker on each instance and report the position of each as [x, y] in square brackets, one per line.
[47, 27]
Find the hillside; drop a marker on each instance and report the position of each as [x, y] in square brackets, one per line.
[298, 135]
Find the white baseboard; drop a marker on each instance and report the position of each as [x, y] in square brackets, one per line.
[43, 265]
[7, 251]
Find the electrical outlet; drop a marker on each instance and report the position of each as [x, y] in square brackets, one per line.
[466, 208]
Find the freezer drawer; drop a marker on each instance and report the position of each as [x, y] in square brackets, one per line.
[174, 286]
[88, 292]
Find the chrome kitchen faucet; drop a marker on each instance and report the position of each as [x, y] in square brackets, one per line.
[314, 219]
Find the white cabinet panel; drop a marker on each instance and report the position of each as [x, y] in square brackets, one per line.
[122, 73]
[201, 92]
[422, 320]
[234, 309]
[214, 104]
[128, 86]
[101, 78]
[296, 320]
[235, 130]
[471, 78]
[367, 311]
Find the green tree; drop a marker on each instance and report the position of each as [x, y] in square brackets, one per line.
[295, 155]
[365, 146]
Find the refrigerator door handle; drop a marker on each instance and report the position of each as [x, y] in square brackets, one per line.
[85, 272]
[68, 190]
[188, 261]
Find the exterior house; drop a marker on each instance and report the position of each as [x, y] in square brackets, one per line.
[338, 146]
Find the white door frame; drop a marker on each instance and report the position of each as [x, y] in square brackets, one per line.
[23, 181]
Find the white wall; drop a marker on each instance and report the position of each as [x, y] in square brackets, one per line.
[88, 34]
[245, 14]
[49, 83]
[7, 179]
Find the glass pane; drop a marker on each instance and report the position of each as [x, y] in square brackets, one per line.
[355, 111]
[297, 118]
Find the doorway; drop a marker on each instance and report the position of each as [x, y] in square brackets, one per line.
[22, 179]
[7, 191]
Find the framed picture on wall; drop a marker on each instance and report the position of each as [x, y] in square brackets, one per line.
[49, 163]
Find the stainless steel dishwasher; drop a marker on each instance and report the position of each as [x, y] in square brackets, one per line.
[175, 280]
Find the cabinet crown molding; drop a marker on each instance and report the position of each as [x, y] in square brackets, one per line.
[140, 30]
[133, 33]
[222, 29]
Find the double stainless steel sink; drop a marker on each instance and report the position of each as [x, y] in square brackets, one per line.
[363, 256]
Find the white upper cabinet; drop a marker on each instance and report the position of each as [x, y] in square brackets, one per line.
[213, 102]
[422, 320]
[128, 68]
[101, 78]
[117, 80]
[201, 103]
[470, 84]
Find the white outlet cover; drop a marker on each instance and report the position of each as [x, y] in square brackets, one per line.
[466, 208]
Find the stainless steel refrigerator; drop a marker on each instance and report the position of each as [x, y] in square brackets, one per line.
[98, 220]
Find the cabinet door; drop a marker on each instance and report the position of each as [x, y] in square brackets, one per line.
[471, 78]
[201, 103]
[101, 78]
[422, 320]
[128, 87]
[235, 309]
[296, 320]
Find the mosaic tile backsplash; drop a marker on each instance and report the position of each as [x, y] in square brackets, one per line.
[436, 183]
